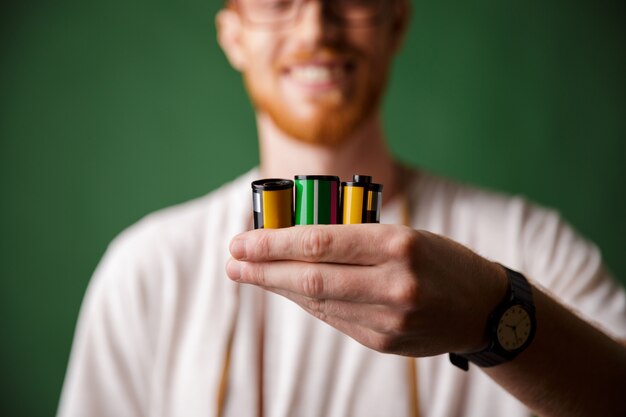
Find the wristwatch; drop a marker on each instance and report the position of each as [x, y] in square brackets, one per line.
[511, 326]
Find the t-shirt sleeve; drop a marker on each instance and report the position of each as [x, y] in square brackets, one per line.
[571, 269]
[110, 359]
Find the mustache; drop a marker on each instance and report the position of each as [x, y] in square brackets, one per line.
[320, 54]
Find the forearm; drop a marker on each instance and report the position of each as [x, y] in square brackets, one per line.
[414, 293]
[570, 369]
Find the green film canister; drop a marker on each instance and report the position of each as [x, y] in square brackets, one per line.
[317, 199]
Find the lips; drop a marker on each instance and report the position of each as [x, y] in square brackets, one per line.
[316, 74]
[319, 73]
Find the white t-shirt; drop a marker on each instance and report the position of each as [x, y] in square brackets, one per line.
[154, 326]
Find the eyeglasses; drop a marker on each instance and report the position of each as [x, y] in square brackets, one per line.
[278, 13]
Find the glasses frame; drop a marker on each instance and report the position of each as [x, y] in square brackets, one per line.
[327, 12]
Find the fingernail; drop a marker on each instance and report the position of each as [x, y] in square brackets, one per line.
[238, 248]
[233, 269]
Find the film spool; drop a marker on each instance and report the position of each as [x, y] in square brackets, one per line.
[361, 200]
[317, 199]
[272, 203]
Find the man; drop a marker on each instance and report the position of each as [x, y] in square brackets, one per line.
[163, 332]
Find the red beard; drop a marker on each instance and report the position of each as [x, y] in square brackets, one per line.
[333, 117]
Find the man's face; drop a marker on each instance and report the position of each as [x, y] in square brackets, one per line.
[316, 78]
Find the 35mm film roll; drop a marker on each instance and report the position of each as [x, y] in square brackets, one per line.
[361, 200]
[272, 203]
[317, 199]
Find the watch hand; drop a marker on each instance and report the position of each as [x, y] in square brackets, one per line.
[519, 321]
[515, 333]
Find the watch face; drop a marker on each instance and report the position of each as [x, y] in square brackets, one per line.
[514, 328]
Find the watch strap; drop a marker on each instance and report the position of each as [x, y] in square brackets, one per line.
[519, 292]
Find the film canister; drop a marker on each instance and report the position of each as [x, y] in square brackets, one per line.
[317, 199]
[272, 203]
[361, 200]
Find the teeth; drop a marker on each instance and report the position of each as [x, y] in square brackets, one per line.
[315, 73]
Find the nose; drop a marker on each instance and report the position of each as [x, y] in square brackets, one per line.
[313, 24]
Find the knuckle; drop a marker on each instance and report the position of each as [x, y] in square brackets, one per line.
[403, 244]
[312, 282]
[385, 344]
[399, 323]
[262, 246]
[314, 243]
[405, 293]
[253, 273]
[317, 308]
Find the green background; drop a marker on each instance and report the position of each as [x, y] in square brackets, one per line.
[112, 109]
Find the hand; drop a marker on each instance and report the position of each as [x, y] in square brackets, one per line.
[391, 288]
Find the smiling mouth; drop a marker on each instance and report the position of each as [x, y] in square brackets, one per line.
[320, 73]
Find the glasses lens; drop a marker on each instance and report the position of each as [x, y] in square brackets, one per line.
[268, 11]
[357, 11]
[273, 12]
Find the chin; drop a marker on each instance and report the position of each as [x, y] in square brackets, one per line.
[328, 128]
[324, 124]
[329, 133]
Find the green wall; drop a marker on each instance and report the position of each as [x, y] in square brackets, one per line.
[112, 109]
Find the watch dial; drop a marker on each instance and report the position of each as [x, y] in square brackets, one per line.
[514, 328]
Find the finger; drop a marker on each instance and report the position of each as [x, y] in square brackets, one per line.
[350, 324]
[364, 335]
[378, 318]
[399, 344]
[385, 285]
[415, 342]
[361, 244]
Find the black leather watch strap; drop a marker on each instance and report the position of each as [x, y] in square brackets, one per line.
[519, 293]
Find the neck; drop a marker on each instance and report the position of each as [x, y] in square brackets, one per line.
[365, 152]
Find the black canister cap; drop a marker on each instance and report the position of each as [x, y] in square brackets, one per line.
[272, 184]
[364, 181]
[361, 178]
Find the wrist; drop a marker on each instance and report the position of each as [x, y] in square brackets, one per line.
[491, 293]
[510, 327]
